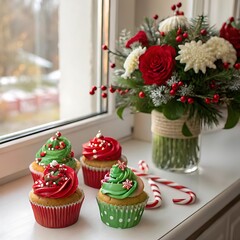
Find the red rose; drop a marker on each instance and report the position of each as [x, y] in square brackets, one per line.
[139, 37]
[231, 34]
[157, 64]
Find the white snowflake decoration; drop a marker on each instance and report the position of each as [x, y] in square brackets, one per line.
[196, 56]
[223, 50]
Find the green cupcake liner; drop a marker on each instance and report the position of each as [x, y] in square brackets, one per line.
[121, 216]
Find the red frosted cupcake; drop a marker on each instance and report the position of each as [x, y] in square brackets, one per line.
[56, 199]
[98, 156]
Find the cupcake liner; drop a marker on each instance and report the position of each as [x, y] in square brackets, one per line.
[121, 216]
[57, 216]
[92, 176]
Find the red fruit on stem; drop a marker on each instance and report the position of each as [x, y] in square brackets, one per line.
[231, 19]
[112, 89]
[179, 4]
[174, 86]
[172, 92]
[207, 100]
[225, 65]
[173, 7]
[190, 100]
[103, 87]
[203, 32]
[141, 94]
[185, 35]
[94, 88]
[237, 66]
[179, 31]
[104, 95]
[92, 92]
[113, 65]
[179, 38]
[183, 99]
[181, 13]
[180, 83]
[216, 97]
[155, 17]
[162, 34]
[104, 47]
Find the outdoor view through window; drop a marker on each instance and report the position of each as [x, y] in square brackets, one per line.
[31, 83]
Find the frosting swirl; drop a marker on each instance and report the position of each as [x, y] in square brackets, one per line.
[56, 148]
[58, 181]
[120, 183]
[102, 148]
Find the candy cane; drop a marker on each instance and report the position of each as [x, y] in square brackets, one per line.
[181, 201]
[157, 196]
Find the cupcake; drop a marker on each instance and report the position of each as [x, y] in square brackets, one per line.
[98, 156]
[57, 148]
[121, 198]
[55, 198]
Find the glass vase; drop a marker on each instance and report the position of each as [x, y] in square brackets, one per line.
[171, 150]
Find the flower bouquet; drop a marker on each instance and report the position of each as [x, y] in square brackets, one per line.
[185, 73]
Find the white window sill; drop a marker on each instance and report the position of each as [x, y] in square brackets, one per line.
[216, 184]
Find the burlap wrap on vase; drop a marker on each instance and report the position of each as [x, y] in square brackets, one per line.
[171, 150]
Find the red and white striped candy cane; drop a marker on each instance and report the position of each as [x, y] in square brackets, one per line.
[181, 201]
[157, 196]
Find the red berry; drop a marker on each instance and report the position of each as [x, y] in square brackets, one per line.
[225, 65]
[203, 32]
[141, 94]
[216, 98]
[43, 154]
[185, 35]
[92, 92]
[104, 95]
[179, 4]
[121, 92]
[72, 154]
[172, 92]
[183, 99]
[179, 31]
[231, 19]
[179, 38]
[174, 86]
[181, 13]
[58, 134]
[155, 17]
[173, 7]
[112, 89]
[103, 87]
[94, 88]
[104, 47]
[162, 34]
[177, 13]
[190, 100]
[126, 90]
[113, 65]
[207, 100]
[237, 66]
[180, 83]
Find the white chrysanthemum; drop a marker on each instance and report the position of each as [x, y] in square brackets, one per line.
[172, 23]
[197, 56]
[132, 61]
[223, 50]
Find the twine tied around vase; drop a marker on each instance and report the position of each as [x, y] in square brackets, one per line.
[173, 128]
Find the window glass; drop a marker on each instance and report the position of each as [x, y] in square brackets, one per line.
[47, 65]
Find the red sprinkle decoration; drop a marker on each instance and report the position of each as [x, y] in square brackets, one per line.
[43, 154]
[121, 165]
[58, 134]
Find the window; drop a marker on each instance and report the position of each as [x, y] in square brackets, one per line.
[79, 67]
[34, 89]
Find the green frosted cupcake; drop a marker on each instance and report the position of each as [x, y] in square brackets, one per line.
[121, 198]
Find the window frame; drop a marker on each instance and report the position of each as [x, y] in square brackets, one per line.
[16, 155]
